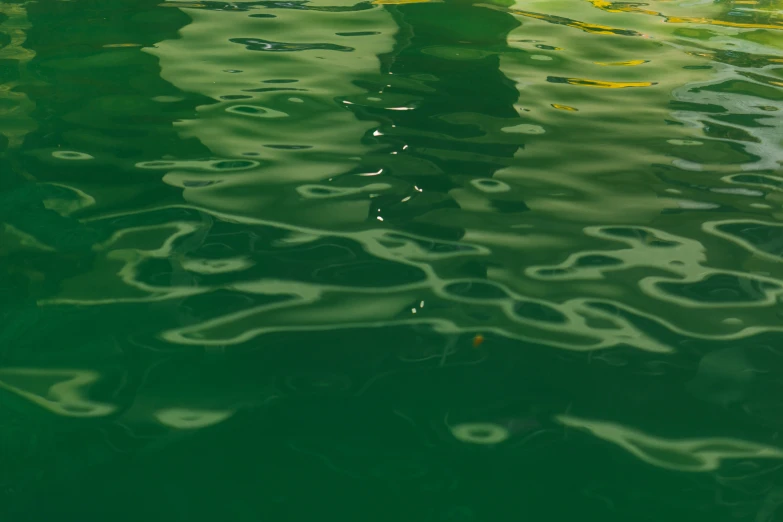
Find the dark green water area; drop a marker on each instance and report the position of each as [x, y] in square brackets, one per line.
[391, 261]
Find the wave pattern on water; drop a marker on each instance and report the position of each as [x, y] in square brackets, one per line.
[209, 209]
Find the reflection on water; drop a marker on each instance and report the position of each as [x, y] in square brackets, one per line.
[255, 240]
[684, 455]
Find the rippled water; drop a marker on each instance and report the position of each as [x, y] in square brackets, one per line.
[391, 260]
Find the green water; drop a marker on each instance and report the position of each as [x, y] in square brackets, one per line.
[249, 252]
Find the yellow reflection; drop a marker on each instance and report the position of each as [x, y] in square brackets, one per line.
[702, 454]
[621, 7]
[606, 85]
[708, 21]
[564, 107]
[584, 26]
[626, 63]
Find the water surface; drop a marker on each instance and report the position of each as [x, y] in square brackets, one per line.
[249, 253]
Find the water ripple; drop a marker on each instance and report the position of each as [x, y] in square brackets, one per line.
[493, 214]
